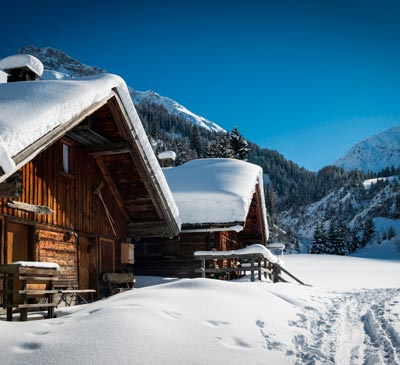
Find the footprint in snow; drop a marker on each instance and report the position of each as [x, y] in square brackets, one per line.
[28, 346]
[214, 323]
[54, 323]
[260, 324]
[236, 343]
[172, 315]
[40, 333]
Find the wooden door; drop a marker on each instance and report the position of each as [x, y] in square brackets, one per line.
[83, 262]
[106, 255]
[19, 243]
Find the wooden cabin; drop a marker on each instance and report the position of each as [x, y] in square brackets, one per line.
[221, 206]
[78, 178]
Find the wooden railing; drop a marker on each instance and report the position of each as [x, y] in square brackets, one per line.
[253, 263]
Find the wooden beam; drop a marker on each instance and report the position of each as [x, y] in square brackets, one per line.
[147, 229]
[38, 209]
[109, 149]
[111, 186]
[143, 164]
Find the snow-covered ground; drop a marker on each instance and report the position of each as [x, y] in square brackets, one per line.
[350, 315]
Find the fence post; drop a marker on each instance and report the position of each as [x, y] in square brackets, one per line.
[252, 268]
[203, 267]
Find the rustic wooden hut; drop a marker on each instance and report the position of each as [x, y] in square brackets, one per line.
[78, 177]
[221, 206]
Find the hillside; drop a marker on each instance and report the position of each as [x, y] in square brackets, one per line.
[375, 153]
[351, 209]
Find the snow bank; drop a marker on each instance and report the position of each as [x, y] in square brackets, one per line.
[215, 190]
[22, 60]
[252, 249]
[30, 110]
[204, 321]
[42, 265]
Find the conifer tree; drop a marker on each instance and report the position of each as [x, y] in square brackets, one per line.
[238, 144]
[319, 240]
[368, 232]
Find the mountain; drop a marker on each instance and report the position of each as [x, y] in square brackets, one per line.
[58, 66]
[174, 108]
[353, 206]
[375, 153]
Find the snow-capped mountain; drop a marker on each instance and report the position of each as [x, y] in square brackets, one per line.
[174, 108]
[376, 199]
[58, 66]
[375, 153]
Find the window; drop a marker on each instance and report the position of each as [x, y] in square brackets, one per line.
[67, 158]
[147, 249]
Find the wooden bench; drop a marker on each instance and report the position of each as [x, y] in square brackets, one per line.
[26, 287]
[69, 293]
[119, 282]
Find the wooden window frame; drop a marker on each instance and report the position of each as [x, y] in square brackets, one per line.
[70, 173]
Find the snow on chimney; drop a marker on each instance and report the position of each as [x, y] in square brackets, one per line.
[167, 158]
[21, 67]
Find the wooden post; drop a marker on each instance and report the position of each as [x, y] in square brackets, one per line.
[265, 267]
[203, 267]
[9, 295]
[259, 268]
[252, 268]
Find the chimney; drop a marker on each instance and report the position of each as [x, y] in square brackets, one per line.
[21, 67]
[167, 158]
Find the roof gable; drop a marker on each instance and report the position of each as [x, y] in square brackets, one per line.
[33, 115]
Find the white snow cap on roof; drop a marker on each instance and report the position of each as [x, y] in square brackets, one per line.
[215, 190]
[167, 155]
[22, 60]
[30, 110]
[3, 77]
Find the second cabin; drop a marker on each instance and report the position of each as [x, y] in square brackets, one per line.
[221, 206]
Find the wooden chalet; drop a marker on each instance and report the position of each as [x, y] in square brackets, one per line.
[222, 207]
[78, 178]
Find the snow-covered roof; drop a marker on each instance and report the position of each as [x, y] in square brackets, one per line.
[31, 110]
[215, 190]
[22, 60]
[167, 155]
[3, 77]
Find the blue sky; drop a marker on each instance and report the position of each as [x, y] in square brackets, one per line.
[307, 78]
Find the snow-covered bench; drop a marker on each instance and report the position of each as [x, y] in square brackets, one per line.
[119, 282]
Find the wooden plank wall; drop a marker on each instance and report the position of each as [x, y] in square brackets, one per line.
[56, 246]
[75, 207]
[69, 195]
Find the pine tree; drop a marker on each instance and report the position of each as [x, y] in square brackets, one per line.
[238, 144]
[221, 148]
[355, 240]
[195, 141]
[368, 232]
[319, 240]
[391, 233]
